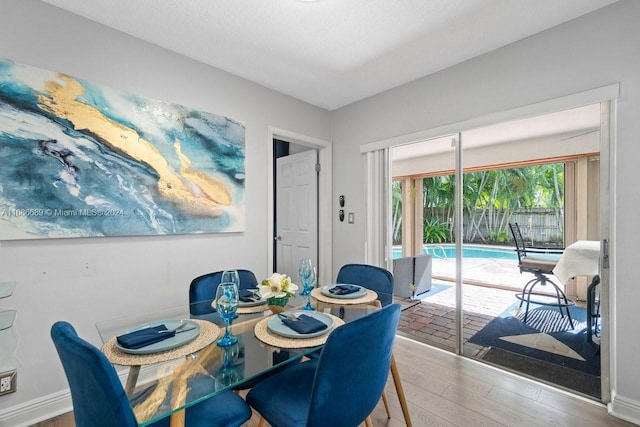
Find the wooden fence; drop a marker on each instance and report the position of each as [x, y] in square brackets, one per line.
[539, 227]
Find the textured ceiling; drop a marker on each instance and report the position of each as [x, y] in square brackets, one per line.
[331, 53]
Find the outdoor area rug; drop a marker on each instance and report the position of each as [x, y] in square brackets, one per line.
[546, 347]
[556, 374]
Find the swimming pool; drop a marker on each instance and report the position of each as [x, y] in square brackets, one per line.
[448, 250]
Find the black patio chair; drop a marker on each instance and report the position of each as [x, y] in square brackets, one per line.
[541, 268]
[593, 310]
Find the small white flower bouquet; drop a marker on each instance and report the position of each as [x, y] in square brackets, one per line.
[277, 289]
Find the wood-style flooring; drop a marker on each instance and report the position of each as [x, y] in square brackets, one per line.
[445, 390]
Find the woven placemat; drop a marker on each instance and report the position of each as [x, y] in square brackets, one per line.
[266, 336]
[369, 297]
[209, 332]
[247, 310]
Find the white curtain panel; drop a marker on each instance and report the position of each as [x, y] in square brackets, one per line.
[377, 244]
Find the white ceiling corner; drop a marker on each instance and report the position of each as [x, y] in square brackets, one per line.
[331, 53]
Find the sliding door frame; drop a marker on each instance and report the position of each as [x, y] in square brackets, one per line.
[606, 96]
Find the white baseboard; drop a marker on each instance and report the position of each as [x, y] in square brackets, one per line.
[624, 408]
[58, 403]
[36, 410]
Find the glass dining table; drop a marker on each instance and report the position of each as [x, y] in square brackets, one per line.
[164, 380]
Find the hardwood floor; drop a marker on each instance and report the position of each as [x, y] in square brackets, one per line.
[445, 390]
[64, 420]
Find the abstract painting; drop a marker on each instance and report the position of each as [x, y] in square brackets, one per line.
[83, 160]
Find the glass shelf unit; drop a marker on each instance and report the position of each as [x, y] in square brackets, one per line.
[8, 335]
[6, 289]
[7, 318]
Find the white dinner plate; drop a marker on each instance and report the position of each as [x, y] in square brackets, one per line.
[275, 325]
[170, 343]
[358, 294]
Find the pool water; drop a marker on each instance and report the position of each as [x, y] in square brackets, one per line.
[470, 251]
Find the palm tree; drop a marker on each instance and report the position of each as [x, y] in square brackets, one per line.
[489, 199]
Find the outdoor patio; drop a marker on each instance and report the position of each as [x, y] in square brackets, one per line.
[489, 288]
[432, 320]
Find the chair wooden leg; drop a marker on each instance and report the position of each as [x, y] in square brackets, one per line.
[132, 379]
[177, 419]
[386, 404]
[367, 422]
[396, 381]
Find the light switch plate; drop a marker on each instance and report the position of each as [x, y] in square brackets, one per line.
[351, 217]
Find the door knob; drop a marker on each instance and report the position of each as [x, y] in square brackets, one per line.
[278, 238]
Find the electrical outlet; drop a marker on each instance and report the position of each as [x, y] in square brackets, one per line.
[8, 382]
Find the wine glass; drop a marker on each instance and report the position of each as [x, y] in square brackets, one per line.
[231, 276]
[226, 306]
[304, 270]
[311, 284]
[228, 375]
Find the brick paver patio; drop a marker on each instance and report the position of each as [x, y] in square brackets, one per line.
[432, 321]
[489, 288]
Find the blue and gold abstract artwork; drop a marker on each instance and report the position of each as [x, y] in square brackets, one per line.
[83, 160]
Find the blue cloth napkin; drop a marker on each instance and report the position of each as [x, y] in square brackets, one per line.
[305, 324]
[144, 337]
[245, 295]
[344, 289]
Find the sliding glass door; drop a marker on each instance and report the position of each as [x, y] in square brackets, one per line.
[453, 199]
[424, 226]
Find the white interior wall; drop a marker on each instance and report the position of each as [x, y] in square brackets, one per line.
[590, 52]
[53, 284]
[87, 280]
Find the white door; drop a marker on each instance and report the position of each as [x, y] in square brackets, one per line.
[296, 211]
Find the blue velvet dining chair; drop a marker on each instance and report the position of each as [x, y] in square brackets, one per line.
[342, 386]
[371, 277]
[99, 399]
[202, 292]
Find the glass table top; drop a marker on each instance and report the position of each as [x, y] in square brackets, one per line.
[211, 369]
